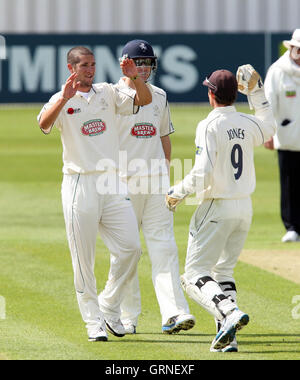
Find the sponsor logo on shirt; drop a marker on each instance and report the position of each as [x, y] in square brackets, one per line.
[143, 130]
[290, 94]
[93, 127]
[71, 110]
[199, 150]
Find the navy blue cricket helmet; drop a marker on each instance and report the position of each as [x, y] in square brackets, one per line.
[140, 49]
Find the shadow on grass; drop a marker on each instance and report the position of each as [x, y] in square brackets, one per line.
[256, 339]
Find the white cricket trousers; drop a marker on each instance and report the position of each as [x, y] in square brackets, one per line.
[86, 213]
[156, 222]
[218, 231]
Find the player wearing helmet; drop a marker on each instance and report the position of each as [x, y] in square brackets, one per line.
[145, 137]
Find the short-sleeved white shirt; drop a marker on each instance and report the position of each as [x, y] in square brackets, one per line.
[88, 127]
[140, 134]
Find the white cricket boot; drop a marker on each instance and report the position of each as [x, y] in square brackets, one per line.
[115, 327]
[97, 334]
[129, 327]
[179, 322]
[233, 322]
[231, 347]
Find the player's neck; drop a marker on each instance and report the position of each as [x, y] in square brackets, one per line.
[214, 104]
[85, 88]
[217, 105]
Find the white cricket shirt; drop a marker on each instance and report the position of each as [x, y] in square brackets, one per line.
[88, 127]
[140, 135]
[282, 87]
[224, 164]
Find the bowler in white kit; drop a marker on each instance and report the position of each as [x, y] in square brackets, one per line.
[144, 137]
[224, 178]
[85, 114]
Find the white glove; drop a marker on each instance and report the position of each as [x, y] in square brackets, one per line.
[251, 84]
[172, 202]
[248, 79]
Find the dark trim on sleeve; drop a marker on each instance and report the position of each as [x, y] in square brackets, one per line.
[47, 133]
[123, 92]
[262, 135]
[137, 109]
[171, 130]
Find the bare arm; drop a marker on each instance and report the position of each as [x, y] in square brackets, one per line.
[50, 115]
[143, 94]
[167, 147]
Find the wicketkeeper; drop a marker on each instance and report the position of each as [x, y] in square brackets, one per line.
[224, 174]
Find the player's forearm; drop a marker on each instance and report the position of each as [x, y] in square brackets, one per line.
[192, 183]
[198, 180]
[265, 115]
[143, 93]
[49, 117]
[166, 144]
[167, 148]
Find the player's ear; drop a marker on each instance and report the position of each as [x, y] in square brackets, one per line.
[71, 68]
[211, 93]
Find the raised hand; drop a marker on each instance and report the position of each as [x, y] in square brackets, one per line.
[248, 79]
[129, 68]
[71, 87]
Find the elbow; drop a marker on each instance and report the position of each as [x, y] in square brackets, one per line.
[41, 121]
[43, 125]
[45, 128]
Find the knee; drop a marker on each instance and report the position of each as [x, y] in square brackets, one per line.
[132, 245]
[131, 251]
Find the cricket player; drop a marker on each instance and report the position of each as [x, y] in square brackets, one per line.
[144, 137]
[85, 114]
[224, 176]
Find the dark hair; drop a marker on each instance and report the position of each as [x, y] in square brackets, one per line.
[74, 54]
[224, 85]
[225, 102]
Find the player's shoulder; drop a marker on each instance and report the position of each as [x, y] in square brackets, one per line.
[201, 127]
[157, 91]
[211, 120]
[120, 84]
[55, 97]
[275, 70]
[247, 118]
[102, 86]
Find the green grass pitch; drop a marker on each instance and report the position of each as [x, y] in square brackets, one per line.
[41, 318]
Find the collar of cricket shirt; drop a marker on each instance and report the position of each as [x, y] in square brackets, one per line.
[222, 110]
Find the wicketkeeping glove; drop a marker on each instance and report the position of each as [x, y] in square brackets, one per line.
[171, 202]
[251, 84]
[248, 79]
